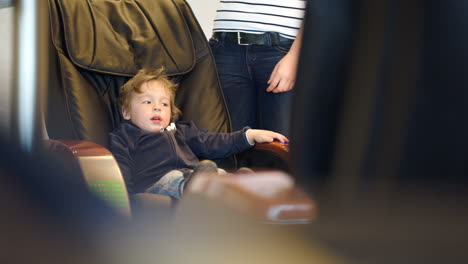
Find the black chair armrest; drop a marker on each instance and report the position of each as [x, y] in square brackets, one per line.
[102, 174]
[274, 155]
[98, 167]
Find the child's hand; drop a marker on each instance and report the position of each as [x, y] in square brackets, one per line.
[261, 136]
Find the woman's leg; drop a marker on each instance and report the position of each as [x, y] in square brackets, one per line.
[236, 81]
[274, 109]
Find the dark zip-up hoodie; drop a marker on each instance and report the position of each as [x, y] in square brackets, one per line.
[145, 157]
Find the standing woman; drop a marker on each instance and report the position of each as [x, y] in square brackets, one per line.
[256, 47]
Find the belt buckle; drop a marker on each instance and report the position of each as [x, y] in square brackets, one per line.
[239, 40]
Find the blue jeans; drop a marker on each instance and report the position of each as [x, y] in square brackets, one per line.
[171, 184]
[244, 72]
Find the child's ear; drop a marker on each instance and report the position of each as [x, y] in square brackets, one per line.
[126, 114]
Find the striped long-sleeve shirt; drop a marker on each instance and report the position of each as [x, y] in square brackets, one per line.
[259, 16]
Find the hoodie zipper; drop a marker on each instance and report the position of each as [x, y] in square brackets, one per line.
[171, 140]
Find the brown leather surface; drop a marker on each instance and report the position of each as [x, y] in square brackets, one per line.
[265, 156]
[279, 149]
[77, 148]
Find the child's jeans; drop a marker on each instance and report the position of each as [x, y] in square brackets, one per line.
[171, 184]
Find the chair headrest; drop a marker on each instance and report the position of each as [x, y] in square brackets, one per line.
[121, 37]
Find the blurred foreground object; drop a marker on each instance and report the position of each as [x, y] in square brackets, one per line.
[52, 217]
[48, 213]
[380, 128]
[268, 196]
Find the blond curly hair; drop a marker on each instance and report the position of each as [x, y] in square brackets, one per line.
[134, 85]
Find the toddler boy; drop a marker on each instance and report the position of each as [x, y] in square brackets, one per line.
[157, 154]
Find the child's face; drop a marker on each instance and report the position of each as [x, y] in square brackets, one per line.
[150, 110]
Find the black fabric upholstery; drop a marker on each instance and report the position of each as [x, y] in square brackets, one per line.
[99, 45]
